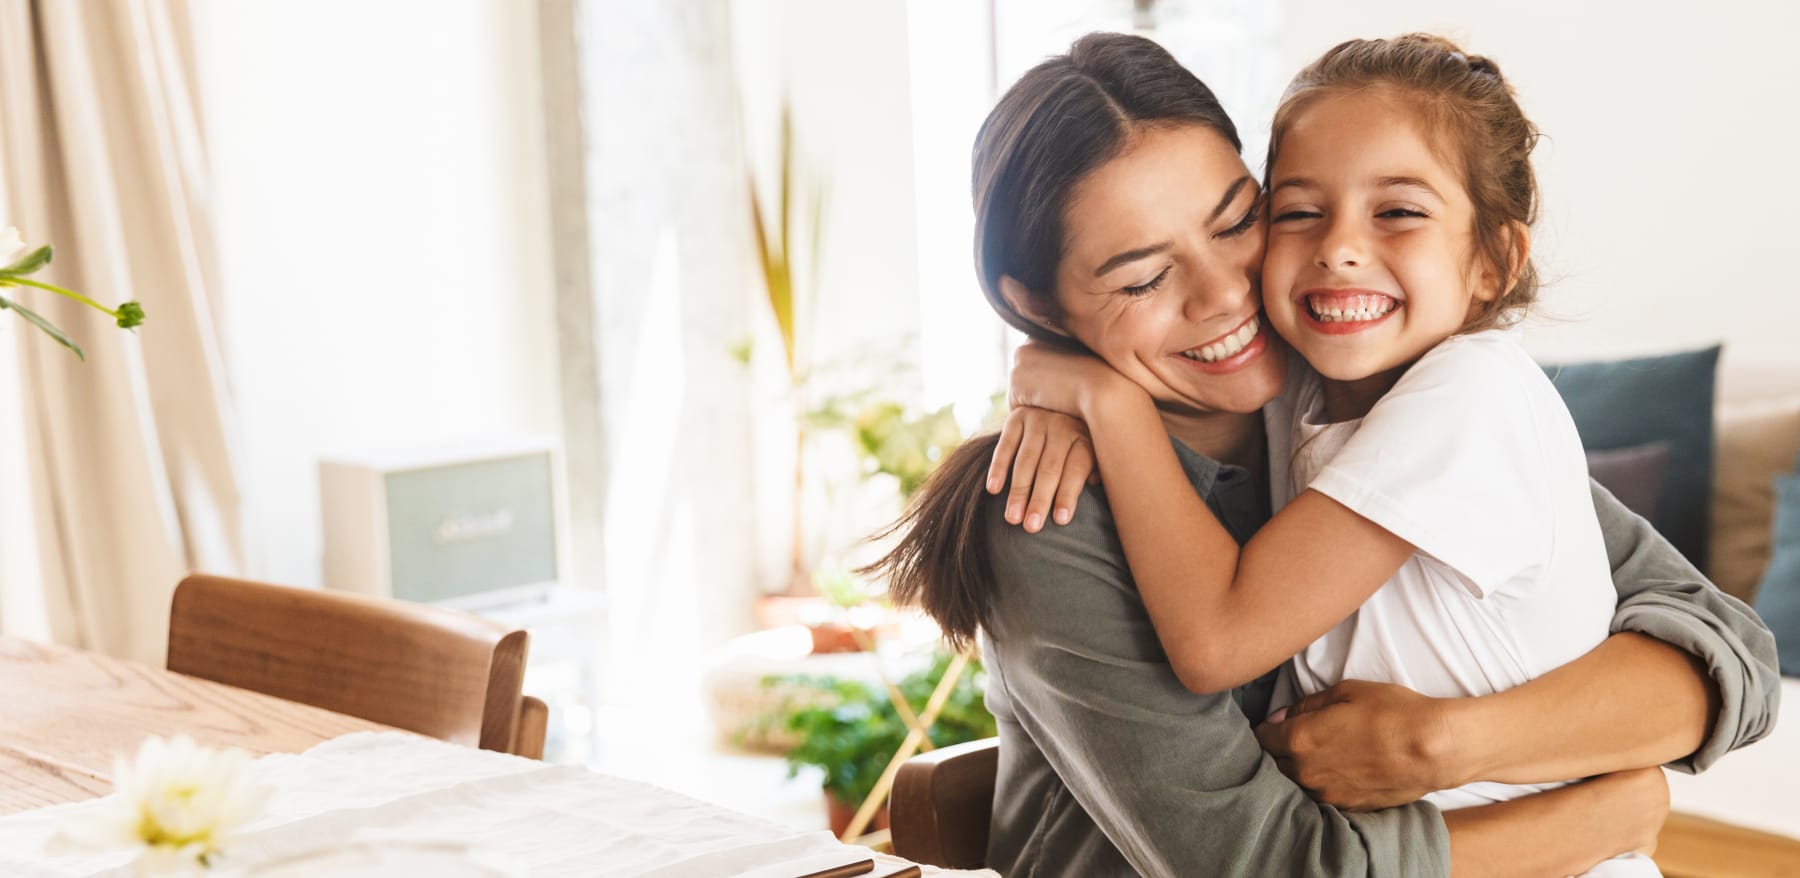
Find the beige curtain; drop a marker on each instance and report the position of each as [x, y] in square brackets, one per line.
[118, 475]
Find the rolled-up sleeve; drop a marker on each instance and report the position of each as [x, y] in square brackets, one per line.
[1663, 596]
[1175, 781]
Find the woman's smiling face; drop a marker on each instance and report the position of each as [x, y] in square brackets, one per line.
[1163, 245]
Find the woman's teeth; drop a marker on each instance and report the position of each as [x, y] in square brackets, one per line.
[1229, 346]
[1351, 310]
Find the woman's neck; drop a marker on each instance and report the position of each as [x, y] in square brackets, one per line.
[1229, 438]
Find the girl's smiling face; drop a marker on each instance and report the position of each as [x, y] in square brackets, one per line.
[1371, 258]
[1158, 276]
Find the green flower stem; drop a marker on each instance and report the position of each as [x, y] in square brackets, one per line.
[25, 281]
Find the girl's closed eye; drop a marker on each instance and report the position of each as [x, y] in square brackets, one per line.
[1403, 213]
[1292, 214]
[1148, 286]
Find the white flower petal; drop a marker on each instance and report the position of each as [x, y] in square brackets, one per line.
[181, 800]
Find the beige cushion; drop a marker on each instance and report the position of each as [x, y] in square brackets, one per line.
[1756, 441]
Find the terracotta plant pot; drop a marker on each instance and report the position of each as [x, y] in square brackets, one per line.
[832, 637]
[838, 814]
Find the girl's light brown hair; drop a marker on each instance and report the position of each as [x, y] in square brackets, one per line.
[1470, 110]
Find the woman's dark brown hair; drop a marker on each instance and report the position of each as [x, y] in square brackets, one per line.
[1062, 120]
[1464, 103]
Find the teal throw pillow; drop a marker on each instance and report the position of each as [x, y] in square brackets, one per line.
[1778, 597]
[1668, 399]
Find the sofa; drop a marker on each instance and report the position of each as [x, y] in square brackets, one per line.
[1742, 818]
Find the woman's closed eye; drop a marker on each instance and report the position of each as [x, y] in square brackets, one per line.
[1148, 286]
[1245, 224]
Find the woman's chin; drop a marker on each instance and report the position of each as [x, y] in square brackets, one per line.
[1242, 392]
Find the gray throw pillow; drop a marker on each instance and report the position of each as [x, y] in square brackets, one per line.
[1634, 475]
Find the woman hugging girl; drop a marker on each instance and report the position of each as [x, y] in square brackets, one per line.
[1434, 525]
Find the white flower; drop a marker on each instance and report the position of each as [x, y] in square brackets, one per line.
[178, 801]
[12, 245]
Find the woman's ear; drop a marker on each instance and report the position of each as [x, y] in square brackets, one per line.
[1027, 305]
[1518, 251]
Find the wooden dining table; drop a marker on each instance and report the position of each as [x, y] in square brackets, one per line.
[66, 713]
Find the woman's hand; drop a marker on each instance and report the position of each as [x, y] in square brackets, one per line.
[1361, 745]
[1051, 457]
[1050, 377]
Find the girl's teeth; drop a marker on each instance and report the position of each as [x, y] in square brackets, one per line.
[1365, 310]
[1229, 347]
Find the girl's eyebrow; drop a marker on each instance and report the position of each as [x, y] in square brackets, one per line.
[1294, 183]
[1411, 183]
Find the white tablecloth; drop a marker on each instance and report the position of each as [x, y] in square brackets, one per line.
[548, 819]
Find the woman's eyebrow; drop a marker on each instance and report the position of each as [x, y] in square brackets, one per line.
[1131, 256]
[1231, 193]
[1230, 196]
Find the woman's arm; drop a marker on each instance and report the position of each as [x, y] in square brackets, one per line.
[1663, 596]
[1630, 703]
[1691, 676]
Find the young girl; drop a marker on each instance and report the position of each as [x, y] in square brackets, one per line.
[1435, 526]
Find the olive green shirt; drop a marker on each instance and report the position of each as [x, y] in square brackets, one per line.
[1108, 766]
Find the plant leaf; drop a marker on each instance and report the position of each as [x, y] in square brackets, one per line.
[786, 229]
[28, 263]
[777, 274]
[45, 325]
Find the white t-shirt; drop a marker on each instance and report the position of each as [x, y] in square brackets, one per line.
[1473, 458]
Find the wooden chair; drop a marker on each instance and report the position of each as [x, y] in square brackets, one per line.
[942, 802]
[438, 672]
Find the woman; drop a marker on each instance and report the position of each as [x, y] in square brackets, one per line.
[1108, 765]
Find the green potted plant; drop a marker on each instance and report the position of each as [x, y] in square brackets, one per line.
[851, 730]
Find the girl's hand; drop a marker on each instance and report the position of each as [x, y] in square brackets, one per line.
[1051, 456]
[1050, 377]
[1361, 745]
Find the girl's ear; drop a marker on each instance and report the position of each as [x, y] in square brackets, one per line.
[1027, 305]
[1518, 252]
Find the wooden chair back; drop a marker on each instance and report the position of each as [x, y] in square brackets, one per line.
[942, 802]
[435, 671]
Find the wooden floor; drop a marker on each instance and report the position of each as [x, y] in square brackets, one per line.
[1694, 847]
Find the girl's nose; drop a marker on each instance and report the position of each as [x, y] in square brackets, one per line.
[1340, 248]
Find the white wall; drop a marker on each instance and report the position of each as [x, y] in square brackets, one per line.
[1667, 171]
[378, 186]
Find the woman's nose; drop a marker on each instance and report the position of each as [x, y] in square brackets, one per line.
[1221, 291]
